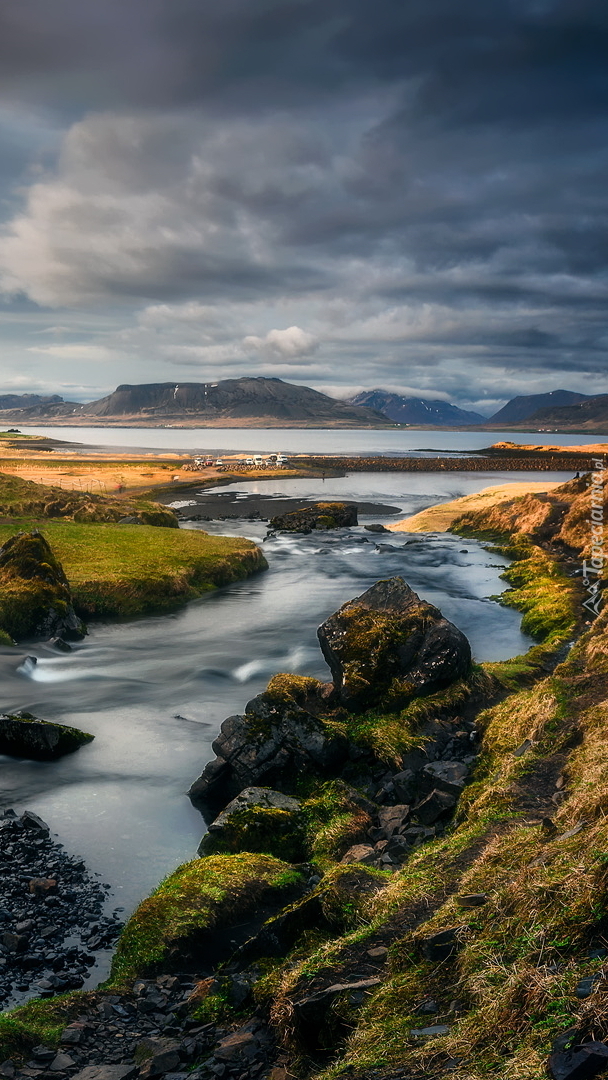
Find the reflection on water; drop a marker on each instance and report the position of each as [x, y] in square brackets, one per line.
[154, 692]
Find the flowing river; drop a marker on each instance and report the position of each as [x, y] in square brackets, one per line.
[154, 691]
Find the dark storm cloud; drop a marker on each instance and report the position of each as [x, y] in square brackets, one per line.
[438, 168]
[477, 61]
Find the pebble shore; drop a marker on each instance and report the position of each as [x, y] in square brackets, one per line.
[53, 929]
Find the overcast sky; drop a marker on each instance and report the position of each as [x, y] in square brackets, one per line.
[343, 193]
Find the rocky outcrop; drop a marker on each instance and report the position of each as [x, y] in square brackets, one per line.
[25, 736]
[388, 644]
[386, 647]
[321, 515]
[203, 911]
[35, 596]
[271, 744]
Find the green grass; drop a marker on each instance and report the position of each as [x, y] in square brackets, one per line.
[40, 1023]
[129, 570]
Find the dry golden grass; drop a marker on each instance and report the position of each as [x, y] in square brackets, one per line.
[439, 518]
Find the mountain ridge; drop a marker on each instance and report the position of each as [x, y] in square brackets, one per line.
[525, 406]
[412, 410]
[253, 399]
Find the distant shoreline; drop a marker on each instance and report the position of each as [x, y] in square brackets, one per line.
[276, 424]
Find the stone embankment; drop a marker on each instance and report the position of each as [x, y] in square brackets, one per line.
[482, 462]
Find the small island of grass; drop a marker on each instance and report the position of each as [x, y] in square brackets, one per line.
[121, 560]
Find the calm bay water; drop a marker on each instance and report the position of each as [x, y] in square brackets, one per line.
[293, 440]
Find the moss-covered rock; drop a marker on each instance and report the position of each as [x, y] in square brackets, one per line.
[276, 742]
[197, 914]
[24, 735]
[390, 645]
[321, 515]
[258, 820]
[35, 596]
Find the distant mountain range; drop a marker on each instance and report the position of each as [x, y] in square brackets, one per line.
[411, 410]
[28, 401]
[267, 402]
[259, 401]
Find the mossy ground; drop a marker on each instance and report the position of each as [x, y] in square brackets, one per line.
[39, 1023]
[24, 498]
[547, 596]
[122, 571]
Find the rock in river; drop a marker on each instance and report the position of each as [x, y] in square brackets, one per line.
[276, 740]
[388, 644]
[24, 735]
[322, 515]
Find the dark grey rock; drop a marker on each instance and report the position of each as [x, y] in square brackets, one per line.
[360, 853]
[61, 1062]
[249, 799]
[446, 776]
[264, 747]
[106, 1072]
[434, 806]
[442, 945]
[581, 1063]
[472, 900]
[24, 735]
[586, 987]
[388, 638]
[428, 1032]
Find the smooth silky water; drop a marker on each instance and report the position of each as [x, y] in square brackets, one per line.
[155, 691]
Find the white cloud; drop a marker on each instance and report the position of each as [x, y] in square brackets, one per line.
[76, 351]
[193, 313]
[284, 345]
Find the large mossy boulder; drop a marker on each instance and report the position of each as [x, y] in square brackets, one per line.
[277, 740]
[23, 735]
[35, 596]
[388, 645]
[203, 911]
[258, 820]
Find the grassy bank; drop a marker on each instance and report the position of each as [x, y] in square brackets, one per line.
[439, 518]
[122, 571]
[116, 569]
